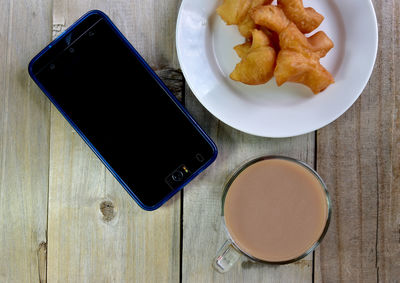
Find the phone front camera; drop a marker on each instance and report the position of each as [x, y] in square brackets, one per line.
[177, 176]
[71, 50]
[52, 67]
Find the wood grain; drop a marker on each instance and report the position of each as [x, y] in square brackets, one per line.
[203, 232]
[358, 156]
[24, 145]
[97, 233]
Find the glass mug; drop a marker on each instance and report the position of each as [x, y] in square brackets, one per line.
[275, 210]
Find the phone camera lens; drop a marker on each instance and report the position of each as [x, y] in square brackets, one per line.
[91, 33]
[52, 67]
[71, 50]
[177, 176]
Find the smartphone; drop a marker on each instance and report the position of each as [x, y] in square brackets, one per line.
[122, 110]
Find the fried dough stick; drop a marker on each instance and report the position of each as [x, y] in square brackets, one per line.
[258, 60]
[306, 19]
[247, 25]
[273, 18]
[298, 59]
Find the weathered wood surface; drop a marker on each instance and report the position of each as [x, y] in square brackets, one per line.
[203, 232]
[359, 158]
[96, 232]
[63, 217]
[24, 143]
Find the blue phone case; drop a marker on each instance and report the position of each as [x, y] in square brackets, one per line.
[194, 123]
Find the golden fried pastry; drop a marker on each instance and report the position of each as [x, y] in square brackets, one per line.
[258, 60]
[242, 49]
[292, 39]
[320, 43]
[257, 67]
[306, 19]
[273, 37]
[293, 66]
[271, 30]
[247, 25]
[271, 17]
[259, 39]
[289, 34]
[234, 11]
[298, 60]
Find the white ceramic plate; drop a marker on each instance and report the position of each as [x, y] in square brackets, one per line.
[205, 51]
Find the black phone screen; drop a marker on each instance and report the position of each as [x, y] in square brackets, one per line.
[105, 90]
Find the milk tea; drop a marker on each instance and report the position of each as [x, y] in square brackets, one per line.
[276, 210]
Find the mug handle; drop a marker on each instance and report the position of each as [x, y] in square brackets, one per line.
[226, 257]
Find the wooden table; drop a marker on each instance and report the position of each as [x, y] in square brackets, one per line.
[64, 218]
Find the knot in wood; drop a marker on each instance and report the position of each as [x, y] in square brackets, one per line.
[107, 209]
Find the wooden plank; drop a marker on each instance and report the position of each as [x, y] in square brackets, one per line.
[24, 145]
[203, 232]
[358, 156]
[96, 231]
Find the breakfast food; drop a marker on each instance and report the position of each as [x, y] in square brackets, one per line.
[233, 11]
[258, 60]
[271, 17]
[247, 25]
[295, 67]
[275, 43]
[236, 12]
[306, 19]
[291, 38]
[320, 43]
[298, 59]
